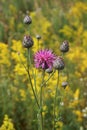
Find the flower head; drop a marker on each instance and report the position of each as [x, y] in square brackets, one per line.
[64, 47]
[38, 37]
[44, 59]
[64, 84]
[58, 63]
[27, 19]
[27, 41]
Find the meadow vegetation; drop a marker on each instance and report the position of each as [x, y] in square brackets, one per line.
[55, 21]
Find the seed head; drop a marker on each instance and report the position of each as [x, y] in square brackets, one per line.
[27, 20]
[28, 41]
[64, 47]
[58, 63]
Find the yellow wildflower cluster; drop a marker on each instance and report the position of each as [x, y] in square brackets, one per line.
[79, 57]
[78, 9]
[7, 124]
[59, 125]
[4, 55]
[42, 25]
[79, 115]
[76, 100]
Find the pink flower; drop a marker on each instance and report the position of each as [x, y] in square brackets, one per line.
[44, 59]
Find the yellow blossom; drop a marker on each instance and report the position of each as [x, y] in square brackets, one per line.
[76, 94]
[7, 124]
[4, 54]
[22, 94]
[79, 115]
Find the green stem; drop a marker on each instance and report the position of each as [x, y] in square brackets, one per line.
[55, 100]
[41, 108]
[41, 101]
[34, 74]
[28, 71]
[66, 70]
[47, 79]
[33, 90]
[38, 45]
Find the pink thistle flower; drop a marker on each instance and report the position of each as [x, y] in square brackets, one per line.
[44, 59]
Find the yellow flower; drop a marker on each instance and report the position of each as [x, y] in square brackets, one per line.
[22, 94]
[20, 70]
[42, 23]
[78, 56]
[78, 114]
[37, 45]
[17, 46]
[59, 125]
[12, 8]
[44, 110]
[7, 124]
[76, 94]
[4, 54]
[78, 9]
[67, 31]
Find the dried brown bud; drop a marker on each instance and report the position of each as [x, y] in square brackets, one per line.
[64, 84]
[64, 47]
[58, 63]
[27, 20]
[38, 37]
[28, 41]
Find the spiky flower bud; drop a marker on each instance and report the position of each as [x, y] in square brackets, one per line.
[64, 47]
[58, 63]
[28, 41]
[49, 70]
[27, 20]
[64, 84]
[38, 37]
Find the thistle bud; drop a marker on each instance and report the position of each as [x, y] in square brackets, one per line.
[64, 84]
[38, 37]
[49, 70]
[58, 63]
[27, 20]
[28, 41]
[64, 47]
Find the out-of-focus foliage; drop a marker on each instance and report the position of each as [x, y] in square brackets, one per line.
[55, 21]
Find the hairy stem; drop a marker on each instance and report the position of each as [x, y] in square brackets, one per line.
[55, 100]
[28, 71]
[47, 79]
[41, 100]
